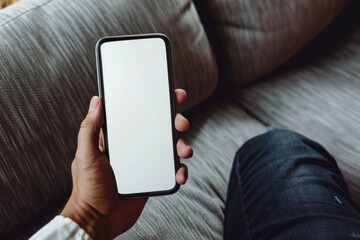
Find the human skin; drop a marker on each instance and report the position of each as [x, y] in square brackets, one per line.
[94, 203]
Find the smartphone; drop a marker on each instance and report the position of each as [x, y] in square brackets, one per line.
[136, 85]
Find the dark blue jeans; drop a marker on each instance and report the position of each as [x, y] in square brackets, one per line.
[285, 186]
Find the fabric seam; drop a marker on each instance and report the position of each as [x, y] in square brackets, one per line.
[27, 11]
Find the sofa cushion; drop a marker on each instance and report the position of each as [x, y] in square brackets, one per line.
[252, 37]
[197, 210]
[318, 95]
[48, 75]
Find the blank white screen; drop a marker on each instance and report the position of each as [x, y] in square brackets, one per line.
[138, 114]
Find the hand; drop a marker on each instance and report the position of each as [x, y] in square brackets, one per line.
[94, 203]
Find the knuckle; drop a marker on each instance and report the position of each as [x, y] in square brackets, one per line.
[78, 155]
[87, 123]
[73, 165]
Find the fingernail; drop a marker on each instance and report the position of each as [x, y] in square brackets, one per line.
[93, 104]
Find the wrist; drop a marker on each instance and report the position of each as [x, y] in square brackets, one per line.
[86, 217]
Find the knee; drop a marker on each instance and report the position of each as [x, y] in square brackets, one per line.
[274, 139]
[280, 138]
[272, 146]
[281, 146]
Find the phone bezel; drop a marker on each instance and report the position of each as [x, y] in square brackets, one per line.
[172, 103]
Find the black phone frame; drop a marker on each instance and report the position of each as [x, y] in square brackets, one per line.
[172, 103]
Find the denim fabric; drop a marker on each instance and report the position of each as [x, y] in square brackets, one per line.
[285, 186]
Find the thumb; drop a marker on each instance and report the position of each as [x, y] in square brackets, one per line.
[88, 137]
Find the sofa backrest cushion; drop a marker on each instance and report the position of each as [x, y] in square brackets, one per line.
[252, 37]
[48, 75]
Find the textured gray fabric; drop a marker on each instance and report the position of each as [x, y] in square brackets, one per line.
[196, 211]
[318, 95]
[252, 37]
[47, 77]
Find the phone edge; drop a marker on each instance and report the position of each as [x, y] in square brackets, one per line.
[101, 93]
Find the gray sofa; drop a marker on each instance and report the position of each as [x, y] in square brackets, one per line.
[245, 64]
